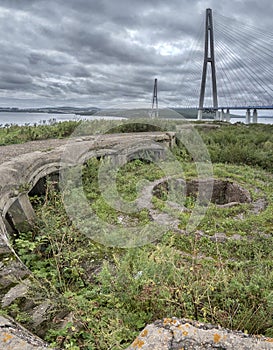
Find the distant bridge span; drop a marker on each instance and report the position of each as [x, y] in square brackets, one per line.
[220, 113]
[238, 107]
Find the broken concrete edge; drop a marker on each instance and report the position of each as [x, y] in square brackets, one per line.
[174, 334]
[22, 173]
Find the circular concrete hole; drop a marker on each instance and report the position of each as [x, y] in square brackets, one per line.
[224, 191]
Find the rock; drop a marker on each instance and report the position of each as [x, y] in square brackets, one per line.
[18, 291]
[12, 271]
[152, 337]
[259, 205]
[236, 193]
[15, 337]
[178, 334]
[228, 205]
[41, 313]
[236, 237]
[164, 219]
[219, 237]
[179, 207]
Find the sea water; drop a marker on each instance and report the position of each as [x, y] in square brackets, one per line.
[22, 118]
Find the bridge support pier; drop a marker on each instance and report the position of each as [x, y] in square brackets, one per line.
[255, 116]
[248, 116]
[222, 115]
[200, 114]
[228, 115]
[217, 115]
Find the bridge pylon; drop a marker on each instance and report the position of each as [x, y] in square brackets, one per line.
[154, 111]
[208, 58]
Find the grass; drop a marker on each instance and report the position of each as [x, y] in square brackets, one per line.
[111, 293]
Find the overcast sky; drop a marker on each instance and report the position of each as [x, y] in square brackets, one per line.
[106, 52]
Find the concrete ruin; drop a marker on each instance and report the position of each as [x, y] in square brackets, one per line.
[223, 191]
[25, 175]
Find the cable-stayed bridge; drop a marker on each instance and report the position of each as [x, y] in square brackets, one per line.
[228, 67]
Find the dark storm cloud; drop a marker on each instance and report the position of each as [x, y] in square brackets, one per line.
[89, 52]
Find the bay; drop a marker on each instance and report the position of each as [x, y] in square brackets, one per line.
[22, 118]
[262, 120]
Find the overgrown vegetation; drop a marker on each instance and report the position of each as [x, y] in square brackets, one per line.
[235, 144]
[12, 133]
[241, 144]
[112, 293]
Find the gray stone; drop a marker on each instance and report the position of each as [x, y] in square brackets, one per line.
[41, 313]
[16, 292]
[153, 337]
[177, 334]
[15, 337]
[259, 205]
[12, 272]
[236, 237]
[178, 207]
[219, 237]
[164, 219]
[228, 205]
[235, 193]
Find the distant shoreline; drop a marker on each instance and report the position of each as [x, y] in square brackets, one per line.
[41, 118]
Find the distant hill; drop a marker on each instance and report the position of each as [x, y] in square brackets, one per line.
[61, 110]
